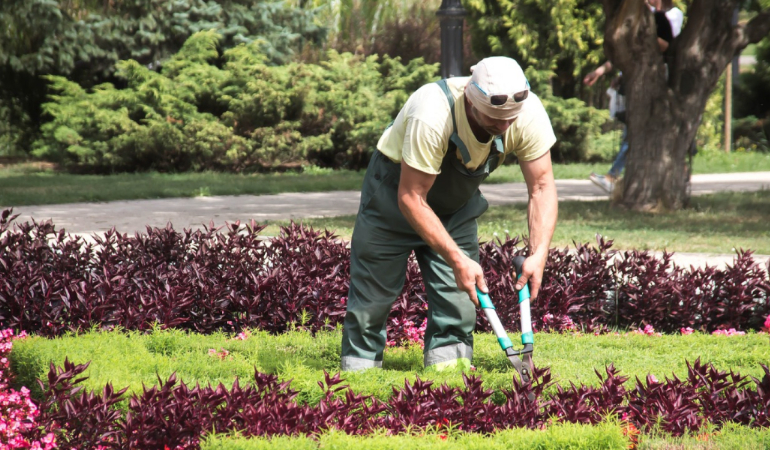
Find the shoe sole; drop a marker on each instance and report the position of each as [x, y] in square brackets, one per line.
[598, 184]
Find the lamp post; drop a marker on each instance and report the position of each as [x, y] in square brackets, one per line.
[451, 13]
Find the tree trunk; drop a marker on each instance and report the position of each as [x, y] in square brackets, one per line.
[664, 112]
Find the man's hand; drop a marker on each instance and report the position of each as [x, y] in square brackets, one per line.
[532, 273]
[469, 275]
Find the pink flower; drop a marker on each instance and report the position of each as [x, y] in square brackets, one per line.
[242, 336]
[647, 331]
[18, 414]
[686, 331]
[767, 323]
[730, 332]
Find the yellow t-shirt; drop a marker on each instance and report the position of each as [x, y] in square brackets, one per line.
[421, 132]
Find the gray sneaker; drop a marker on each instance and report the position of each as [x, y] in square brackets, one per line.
[602, 181]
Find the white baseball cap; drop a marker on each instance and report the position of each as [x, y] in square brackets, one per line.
[498, 87]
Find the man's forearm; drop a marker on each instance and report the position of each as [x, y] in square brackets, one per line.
[542, 212]
[427, 224]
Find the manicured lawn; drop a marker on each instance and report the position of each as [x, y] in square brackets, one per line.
[562, 436]
[717, 223]
[605, 436]
[33, 184]
[27, 186]
[134, 359]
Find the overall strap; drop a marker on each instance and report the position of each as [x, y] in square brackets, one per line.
[496, 152]
[455, 138]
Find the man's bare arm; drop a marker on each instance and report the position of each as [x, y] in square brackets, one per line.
[542, 211]
[413, 202]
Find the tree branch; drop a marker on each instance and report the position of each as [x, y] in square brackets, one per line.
[628, 26]
[757, 28]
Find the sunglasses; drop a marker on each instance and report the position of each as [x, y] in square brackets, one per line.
[501, 99]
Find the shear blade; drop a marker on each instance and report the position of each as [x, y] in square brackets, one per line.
[524, 368]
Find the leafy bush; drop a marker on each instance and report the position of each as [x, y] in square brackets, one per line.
[228, 112]
[84, 40]
[710, 136]
[752, 134]
[752, 98]
[575, 124]
[408, 29]
[563, 37]
[208, 280]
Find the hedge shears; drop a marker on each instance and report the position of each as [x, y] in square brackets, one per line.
[521, 359]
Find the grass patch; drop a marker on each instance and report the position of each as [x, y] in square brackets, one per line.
[135, 359]
[604, 436]
[717, 223]
[730, 436]
[28, 186]
[39, 184]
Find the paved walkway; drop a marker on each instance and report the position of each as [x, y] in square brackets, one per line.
[133, 216]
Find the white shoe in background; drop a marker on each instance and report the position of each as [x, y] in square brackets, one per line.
[603, 182]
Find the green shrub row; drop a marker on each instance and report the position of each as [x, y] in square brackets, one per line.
[135, 359]
[729, 437]
[83, 40]
[604, 436]
[559, 436]
[208, 110]
[228, 111]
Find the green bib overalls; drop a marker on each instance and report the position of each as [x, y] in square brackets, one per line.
[381, 245]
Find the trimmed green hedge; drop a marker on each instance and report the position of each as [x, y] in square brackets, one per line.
[730, 437]
[605, 436]
[133, 359]
[560, 436]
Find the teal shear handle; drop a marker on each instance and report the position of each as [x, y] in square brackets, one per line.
[527, 338]
[489, 310]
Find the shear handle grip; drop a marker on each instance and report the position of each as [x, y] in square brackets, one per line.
[518, 262]
[484, 301]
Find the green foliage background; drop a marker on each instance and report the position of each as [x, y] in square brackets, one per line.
[84, 39]
[564, 37]
[228, 111]
[752, 104]
[128, 97]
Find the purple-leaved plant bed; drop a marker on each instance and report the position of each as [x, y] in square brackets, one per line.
[227, 278]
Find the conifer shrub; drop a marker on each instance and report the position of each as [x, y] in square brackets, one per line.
[212, 110]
